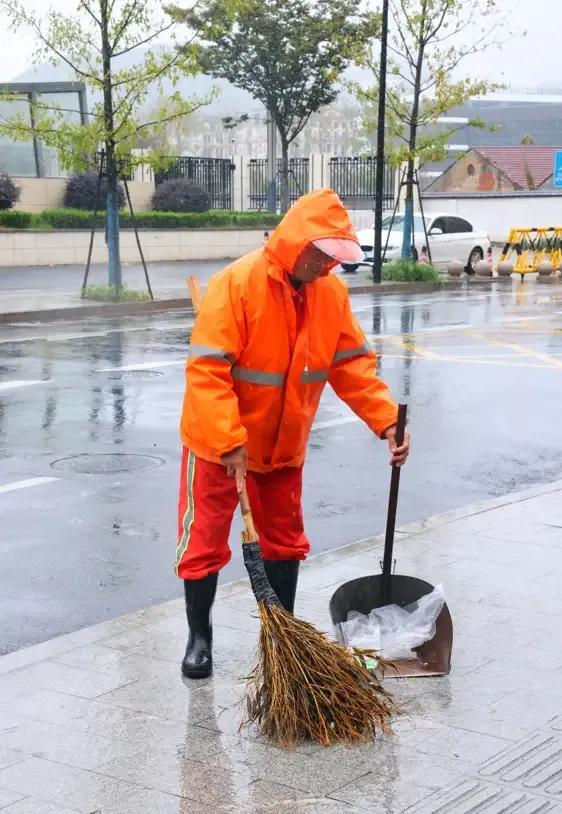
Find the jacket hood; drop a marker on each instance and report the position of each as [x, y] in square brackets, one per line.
[319, 214]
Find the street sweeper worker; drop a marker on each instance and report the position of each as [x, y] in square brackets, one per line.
[272, 329]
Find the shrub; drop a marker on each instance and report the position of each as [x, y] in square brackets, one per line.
[71, 218]
[409, 271]
[110, 293]
[80, 192]
[14, 219]
[180, 195]
[214, 219]
[9, 192]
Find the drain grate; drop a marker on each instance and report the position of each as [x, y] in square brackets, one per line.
[100, 464]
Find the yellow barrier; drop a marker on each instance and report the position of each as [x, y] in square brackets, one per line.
[532, 246]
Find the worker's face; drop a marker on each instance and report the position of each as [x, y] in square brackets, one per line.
[311, 264]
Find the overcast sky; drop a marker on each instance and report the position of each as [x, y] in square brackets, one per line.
[527, 61]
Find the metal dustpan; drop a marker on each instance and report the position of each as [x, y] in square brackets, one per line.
[366, 593]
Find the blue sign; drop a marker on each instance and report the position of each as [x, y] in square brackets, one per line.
[557, 177]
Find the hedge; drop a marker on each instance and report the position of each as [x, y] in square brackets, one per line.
[409, 271]
[14, 219]
[79, 219]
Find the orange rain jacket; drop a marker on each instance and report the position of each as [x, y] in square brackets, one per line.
[255, 373]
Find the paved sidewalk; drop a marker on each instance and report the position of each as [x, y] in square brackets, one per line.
[100, 720]
[43, 292]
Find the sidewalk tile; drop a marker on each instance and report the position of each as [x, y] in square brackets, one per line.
[11, 690]
[66, 786]
[8, 797]
[534, 765]
[149, 801]
[387, 797]
[101, 659]
[63, 745]
[50, 675]
[178, 703]
[8, 757]
[174, 774]
[472, 795]
[316, 774]
[31, 805]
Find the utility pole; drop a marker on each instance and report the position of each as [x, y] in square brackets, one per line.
[379, 178]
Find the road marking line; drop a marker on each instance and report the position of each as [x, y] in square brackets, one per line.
[25, 484]
[21, 383]
[521, 349]
[142, 366]
[335, 422]
[469, 361]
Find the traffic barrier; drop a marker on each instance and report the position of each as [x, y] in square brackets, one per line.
[528, 248]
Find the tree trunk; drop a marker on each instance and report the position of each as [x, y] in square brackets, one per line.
[112, 203]
[408, 212]
[408, 233]
[284, 194]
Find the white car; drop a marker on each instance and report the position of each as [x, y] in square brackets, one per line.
[450, 238]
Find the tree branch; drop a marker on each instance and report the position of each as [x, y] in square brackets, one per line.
[30, 22]
[143, 42]
[87, 8]
[171, 118]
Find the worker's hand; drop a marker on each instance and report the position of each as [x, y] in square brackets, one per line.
[236, 463]
[398, 455]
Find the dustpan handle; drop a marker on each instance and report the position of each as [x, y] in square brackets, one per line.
[393, 500]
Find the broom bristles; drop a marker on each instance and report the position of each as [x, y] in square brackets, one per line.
[306, 687]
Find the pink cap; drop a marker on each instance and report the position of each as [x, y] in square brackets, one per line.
[341, 249]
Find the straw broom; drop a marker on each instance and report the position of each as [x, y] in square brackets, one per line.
[303, 685]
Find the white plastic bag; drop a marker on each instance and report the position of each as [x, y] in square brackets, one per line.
[394, 631]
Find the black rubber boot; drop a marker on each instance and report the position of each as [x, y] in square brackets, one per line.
[283, 577]
[199, 598]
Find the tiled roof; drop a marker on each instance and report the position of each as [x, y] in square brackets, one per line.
[527, 167]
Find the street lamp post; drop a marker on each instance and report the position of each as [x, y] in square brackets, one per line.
[379, 178]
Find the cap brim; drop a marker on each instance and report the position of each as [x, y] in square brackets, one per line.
[340, 249]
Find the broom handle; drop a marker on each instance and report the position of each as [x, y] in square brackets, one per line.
[251, 535]
[393, 502]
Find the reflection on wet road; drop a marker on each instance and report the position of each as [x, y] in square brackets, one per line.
[482, 372]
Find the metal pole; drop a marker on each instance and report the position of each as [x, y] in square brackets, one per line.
[379, 179]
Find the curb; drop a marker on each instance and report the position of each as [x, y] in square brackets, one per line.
[94, 633]
[74, 312]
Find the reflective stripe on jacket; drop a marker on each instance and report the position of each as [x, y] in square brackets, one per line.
[254, 375]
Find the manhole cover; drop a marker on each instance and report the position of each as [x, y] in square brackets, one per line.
[134, 374]
[99, 464]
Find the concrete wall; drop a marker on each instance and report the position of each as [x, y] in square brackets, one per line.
[499, 213]
[26, 248]
[40, 193]
[47, 193]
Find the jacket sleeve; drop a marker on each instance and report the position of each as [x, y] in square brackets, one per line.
[353, 376]
[211, 418]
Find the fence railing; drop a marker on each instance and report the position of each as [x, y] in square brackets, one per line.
[354, 179]
[213, 174]
[299, 180]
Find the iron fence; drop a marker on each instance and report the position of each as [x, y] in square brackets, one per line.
[298, 180]
[354, 179]
[213, 174]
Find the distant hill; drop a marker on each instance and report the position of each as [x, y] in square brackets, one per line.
[230, 101]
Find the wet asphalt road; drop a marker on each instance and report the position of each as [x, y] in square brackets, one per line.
[481, 371]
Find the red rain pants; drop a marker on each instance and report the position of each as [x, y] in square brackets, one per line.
[207, 502]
